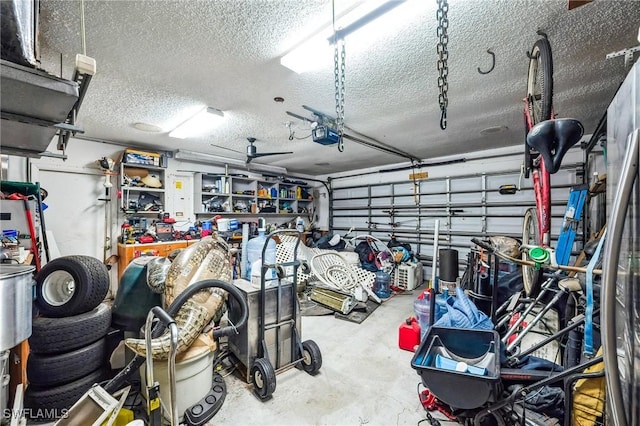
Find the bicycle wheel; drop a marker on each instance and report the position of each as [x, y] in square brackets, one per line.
[540, 82]
[531, 276]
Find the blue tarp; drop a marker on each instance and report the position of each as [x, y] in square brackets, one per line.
[463, 313]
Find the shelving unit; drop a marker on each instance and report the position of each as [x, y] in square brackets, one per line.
[239, 195]
[141, 200]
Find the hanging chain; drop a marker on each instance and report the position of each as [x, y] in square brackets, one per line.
[443, 56]
[339, 56]
[339, 76]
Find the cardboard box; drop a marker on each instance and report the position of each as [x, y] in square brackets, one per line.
[145, 158]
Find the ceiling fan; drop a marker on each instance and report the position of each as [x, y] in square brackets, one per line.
[252, 151]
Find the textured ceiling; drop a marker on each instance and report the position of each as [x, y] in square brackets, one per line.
[158, 60]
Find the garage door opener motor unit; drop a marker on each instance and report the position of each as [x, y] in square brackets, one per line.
[325, 135]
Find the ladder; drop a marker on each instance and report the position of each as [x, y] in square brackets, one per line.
[572, 216]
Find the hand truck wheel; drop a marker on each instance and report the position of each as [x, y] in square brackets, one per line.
[311, 357]
[264, 378]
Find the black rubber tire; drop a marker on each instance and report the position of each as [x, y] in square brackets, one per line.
[540, 82]
[531, 277]
[311, 357]
[56, 370]
[48, 403]
[264, 378]
[91, 284]
[60, 335]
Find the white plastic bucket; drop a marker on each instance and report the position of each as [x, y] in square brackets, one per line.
[194, 379]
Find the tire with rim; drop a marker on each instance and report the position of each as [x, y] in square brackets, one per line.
[71, 285]
[311, 357]
[540, 82]
[56, 370]
[531, 277]
[49, 403]
[264, 378]
[59, 335]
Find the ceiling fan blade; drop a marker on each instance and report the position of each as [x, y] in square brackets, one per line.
[264, 154]
[228, 149]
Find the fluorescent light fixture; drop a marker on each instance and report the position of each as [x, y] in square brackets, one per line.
[200, 123]
[364, 15]
[305, 56]
[267, 168]
[201, 157]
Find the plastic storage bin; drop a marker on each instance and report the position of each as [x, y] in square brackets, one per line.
[459, 389]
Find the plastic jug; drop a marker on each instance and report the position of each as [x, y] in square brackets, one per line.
[422, 310]
[381, 284]
[254, 253]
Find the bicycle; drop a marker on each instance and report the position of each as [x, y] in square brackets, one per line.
[518, 316]
[547, 140]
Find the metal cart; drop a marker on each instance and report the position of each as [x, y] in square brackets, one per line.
[270, 342]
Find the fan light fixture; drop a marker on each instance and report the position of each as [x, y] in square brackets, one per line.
[200, 123]
[305, 56]
[200, 157]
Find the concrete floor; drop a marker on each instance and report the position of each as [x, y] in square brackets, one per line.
[365, 378]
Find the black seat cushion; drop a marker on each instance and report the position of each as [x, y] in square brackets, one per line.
[553, 138]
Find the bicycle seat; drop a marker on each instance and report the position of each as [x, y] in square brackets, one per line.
[553, 138]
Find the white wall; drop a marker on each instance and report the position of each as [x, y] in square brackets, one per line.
[75, 216]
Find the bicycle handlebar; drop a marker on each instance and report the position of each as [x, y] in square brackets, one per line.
[490, 249]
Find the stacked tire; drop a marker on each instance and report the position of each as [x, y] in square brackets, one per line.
[68, 340]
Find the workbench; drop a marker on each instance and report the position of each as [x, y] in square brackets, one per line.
[128, 252]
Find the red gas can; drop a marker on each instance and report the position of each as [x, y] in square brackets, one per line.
[409, 334]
